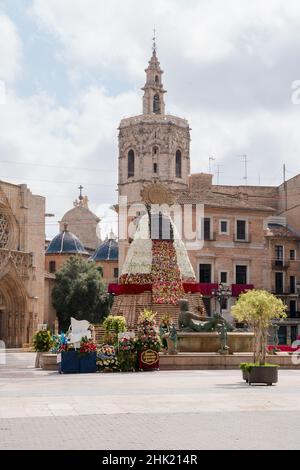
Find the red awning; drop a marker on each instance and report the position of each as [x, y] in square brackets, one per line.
[189, 287]
[131, 289]
[207, 288]
[238, 289]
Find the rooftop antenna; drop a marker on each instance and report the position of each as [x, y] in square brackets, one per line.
[210, 160]
[246, 161]
[285, 187]
[219, 172]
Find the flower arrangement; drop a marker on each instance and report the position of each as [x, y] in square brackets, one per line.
[126, 354]
[147, 337]
[60, 343]
[167, 283]
[107, 360]
[87, 346]
[126, 345]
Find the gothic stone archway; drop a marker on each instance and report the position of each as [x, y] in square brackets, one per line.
[13, 321]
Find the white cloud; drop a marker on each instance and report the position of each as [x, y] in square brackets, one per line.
[114, 33]
[10, 50]
[229, 68]
[61, 148]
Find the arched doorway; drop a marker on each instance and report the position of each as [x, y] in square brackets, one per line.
[13, 318]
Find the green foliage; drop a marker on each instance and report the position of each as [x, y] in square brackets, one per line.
[258, 308]
[42, 341]
[79, 292]
[247, 366]
[113, 325]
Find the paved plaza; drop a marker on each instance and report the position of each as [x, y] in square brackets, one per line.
[154, 410]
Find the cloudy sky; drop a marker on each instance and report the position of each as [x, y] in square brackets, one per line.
[73, 68]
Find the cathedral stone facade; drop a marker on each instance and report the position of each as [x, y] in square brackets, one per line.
[22, 244]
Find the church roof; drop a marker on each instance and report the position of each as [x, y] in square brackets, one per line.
[66, 243]
[82, 212]
[214, 199]
[107, 251]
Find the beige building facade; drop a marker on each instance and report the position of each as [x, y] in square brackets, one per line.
[22, 241]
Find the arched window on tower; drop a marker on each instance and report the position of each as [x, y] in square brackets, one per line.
[130, 163]
[156, 80]
[156, 104]
[178, 164]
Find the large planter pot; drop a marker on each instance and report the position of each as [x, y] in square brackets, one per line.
[148, 360]
[263, 375]
[87, 363]
[69, 362]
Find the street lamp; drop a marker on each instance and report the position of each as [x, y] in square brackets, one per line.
[222, 293]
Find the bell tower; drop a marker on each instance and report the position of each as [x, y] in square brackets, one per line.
[153, 100]
[154, 147]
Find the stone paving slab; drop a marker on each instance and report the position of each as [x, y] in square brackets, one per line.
[255, 430]
[166, 409]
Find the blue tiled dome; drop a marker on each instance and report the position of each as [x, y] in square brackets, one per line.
[64, 243]
[107, 251]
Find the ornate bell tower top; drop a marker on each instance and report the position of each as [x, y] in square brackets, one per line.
[153, 100]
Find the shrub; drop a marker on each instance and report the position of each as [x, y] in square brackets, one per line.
[258, 308]
[113, 325]
[42, 341]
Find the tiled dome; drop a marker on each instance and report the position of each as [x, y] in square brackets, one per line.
[107, 251]
[66, 243]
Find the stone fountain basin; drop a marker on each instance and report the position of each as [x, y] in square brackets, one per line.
[210, 342]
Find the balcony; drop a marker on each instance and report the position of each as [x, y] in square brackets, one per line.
[284, 293]
[280, 264]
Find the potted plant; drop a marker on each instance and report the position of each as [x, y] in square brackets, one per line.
[113, 325]
[147, 342]
[87, 356]
[42, 342]
[107, 360]
[258, 308]
[126, 354]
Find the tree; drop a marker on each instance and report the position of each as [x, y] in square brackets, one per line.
[258, 308]
[80, 293]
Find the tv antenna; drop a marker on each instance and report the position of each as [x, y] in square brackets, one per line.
[210, 160]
